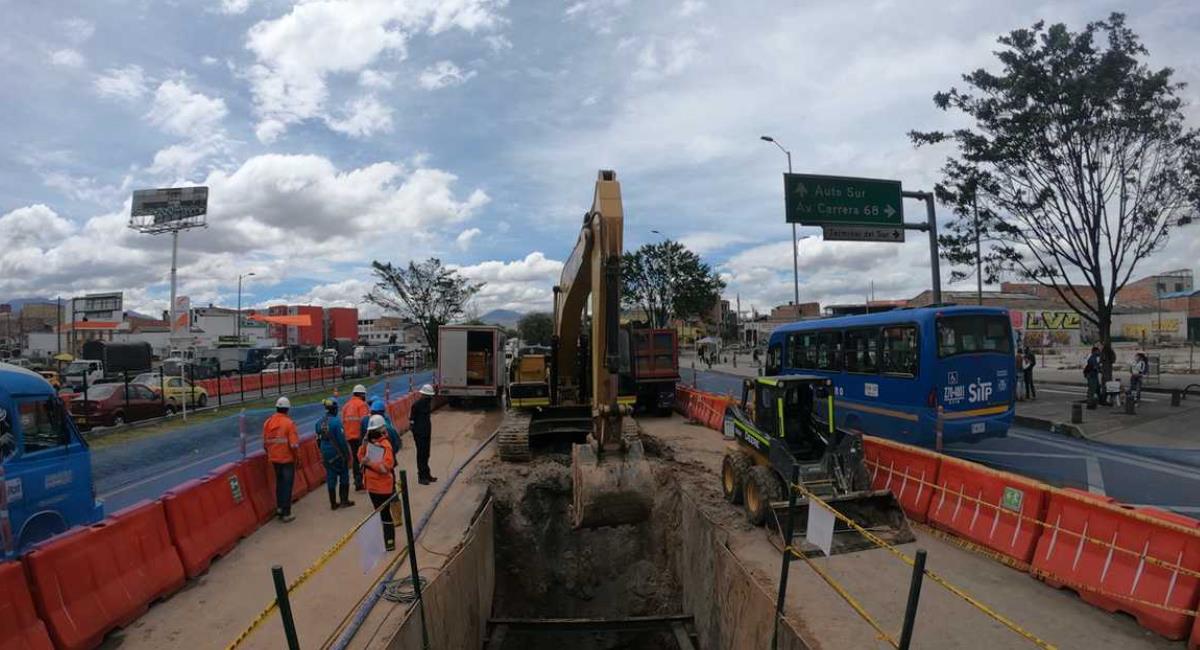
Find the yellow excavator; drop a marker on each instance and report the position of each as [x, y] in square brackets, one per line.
[612, 481]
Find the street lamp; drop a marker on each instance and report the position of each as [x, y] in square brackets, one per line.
[795, 244]
[239, 309]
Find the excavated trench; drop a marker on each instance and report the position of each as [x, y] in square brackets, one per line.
[545, 569]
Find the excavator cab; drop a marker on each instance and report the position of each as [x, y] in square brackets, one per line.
[787, 421]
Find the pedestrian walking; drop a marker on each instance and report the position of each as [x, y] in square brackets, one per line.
[336, 455]
[378, 407]
[1028, 362]
[1108, 358]
[378, 462]
[421, 424]
[352, 416]
[1091, 372]
[1138, 372]
[283, 448]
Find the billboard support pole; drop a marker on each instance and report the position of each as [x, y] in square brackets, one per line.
[930, 226]
[174, 264]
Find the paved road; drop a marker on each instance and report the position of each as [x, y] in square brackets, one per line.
[1166, 478]
[146, 468]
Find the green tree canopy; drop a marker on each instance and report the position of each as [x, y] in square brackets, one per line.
[667, 281]
[427, 293]
[536, 328]
[1076, 167]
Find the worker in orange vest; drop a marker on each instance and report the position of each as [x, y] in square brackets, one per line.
[282, 443]
[352, 417]
[377, 462]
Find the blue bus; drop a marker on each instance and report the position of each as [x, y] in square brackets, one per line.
[893, 370]
[46, 464]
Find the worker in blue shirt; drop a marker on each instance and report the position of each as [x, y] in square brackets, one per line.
[379, 408]
[336, 455]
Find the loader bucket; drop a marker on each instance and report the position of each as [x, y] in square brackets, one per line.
[876, 511]
[611, 489]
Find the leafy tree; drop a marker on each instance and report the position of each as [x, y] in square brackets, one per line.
[667, 281]
[1078, 164]
[427, 293]
[536, 328]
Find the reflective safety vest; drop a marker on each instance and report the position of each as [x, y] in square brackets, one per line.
[378, 475]
[280, 439]
[352, 417]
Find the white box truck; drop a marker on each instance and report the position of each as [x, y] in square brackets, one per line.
[471, 361]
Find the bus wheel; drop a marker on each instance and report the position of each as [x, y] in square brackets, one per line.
[760, 489]
[733, 472]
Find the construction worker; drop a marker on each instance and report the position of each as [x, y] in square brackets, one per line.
[422, 431]
[352, 417]
[378, 407]
[282, 444]
[377, 462]
[336, 455]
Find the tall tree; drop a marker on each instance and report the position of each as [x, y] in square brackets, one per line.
[427, 293]
[667, 281]
[536, 328]
[1077, 167]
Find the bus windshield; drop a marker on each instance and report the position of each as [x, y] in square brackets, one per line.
[973, 334]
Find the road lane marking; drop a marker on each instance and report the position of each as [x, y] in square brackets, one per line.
[1095, 477]
[1118, 457]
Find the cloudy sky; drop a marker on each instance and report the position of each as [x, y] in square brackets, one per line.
[332, 133]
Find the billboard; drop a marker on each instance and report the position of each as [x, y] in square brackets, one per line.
[168, 208]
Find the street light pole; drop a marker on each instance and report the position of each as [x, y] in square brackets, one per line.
[238, 327]
[795, 242]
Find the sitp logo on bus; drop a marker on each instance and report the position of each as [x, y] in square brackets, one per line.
[980, 391]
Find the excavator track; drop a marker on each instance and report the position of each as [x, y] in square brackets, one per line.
[512, 438]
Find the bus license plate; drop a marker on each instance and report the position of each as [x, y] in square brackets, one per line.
[978, 427]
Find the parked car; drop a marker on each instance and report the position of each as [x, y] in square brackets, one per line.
[52, 377]
[279, 366]
[180, 391]
[106, 405]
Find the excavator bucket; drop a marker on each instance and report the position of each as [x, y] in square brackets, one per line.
[611, 489]
[876, 511]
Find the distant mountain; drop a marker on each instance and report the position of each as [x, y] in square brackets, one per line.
[502, 317]
[18, 303]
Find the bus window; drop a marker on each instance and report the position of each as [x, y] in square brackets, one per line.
[828, 350]
[774, 360]
[861, 348]
[972, 334]
[43, 425]
[8, 441]
[899, 350]
[802, 348]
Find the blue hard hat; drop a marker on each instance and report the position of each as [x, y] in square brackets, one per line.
[377, 406]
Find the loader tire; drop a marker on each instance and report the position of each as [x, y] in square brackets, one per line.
[760, 488]
[512, 438]
[733, 473]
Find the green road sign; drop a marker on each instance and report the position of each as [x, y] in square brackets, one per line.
[816, 200]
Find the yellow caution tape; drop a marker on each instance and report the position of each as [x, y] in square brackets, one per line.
[850, 600]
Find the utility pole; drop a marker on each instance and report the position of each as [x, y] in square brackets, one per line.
[795, 242]
[978, 254]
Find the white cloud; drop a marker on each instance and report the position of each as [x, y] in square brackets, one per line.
[77, 30]
[375, 79]
[234, 6]
[522, 285]
[708, 241]
[180, 111]
[209, 60]
[297, 51]
[362, 117]
[32, 225]
[467, 236]
[126, 84]
[668, 58]
[690, 8]
[443, 74]
[67, 58]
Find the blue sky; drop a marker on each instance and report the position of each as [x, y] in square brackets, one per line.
[333, 133]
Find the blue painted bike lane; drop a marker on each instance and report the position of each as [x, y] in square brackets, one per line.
[142, 469]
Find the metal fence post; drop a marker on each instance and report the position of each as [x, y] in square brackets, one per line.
[785, 564]
[285, 608]
[125, 373]
[241, 382]
[914, 597]
[412, 556]
[162, 387]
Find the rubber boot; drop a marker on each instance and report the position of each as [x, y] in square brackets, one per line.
[345, 490]
[333, 504]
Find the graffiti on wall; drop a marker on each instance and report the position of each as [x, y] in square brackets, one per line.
[1144, 330]
[1051, 320]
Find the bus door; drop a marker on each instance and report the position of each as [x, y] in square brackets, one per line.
[47, 470]
[975, 371]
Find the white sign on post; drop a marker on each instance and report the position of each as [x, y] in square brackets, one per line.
[370, 544]
[820, 527]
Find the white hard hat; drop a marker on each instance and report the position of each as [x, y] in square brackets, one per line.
[376, 422]
[359, 389]
[427, 390]
[283, 403]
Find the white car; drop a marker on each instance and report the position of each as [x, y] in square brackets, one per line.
[279, 366]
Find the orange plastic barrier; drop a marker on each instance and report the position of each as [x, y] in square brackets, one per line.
[258, 486]
[997, 510]
[1194, 641]
[707, 409]
[905, 470]
[20, 627]
[310, 462]
[148, 560]
[398, 411]
[1120, 558]
[207, 517]
[300, 485]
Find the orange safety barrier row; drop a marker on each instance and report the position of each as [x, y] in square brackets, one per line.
[92, 580]
[250, 383]
[20, 627]
[997, 510]
[909, 472]
[207, 517]
[300, 484]
[704, 408]
[258, 486]
[311, 463]
[1141, 561]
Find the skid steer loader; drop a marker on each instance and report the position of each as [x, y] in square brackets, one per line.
[776, 426]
